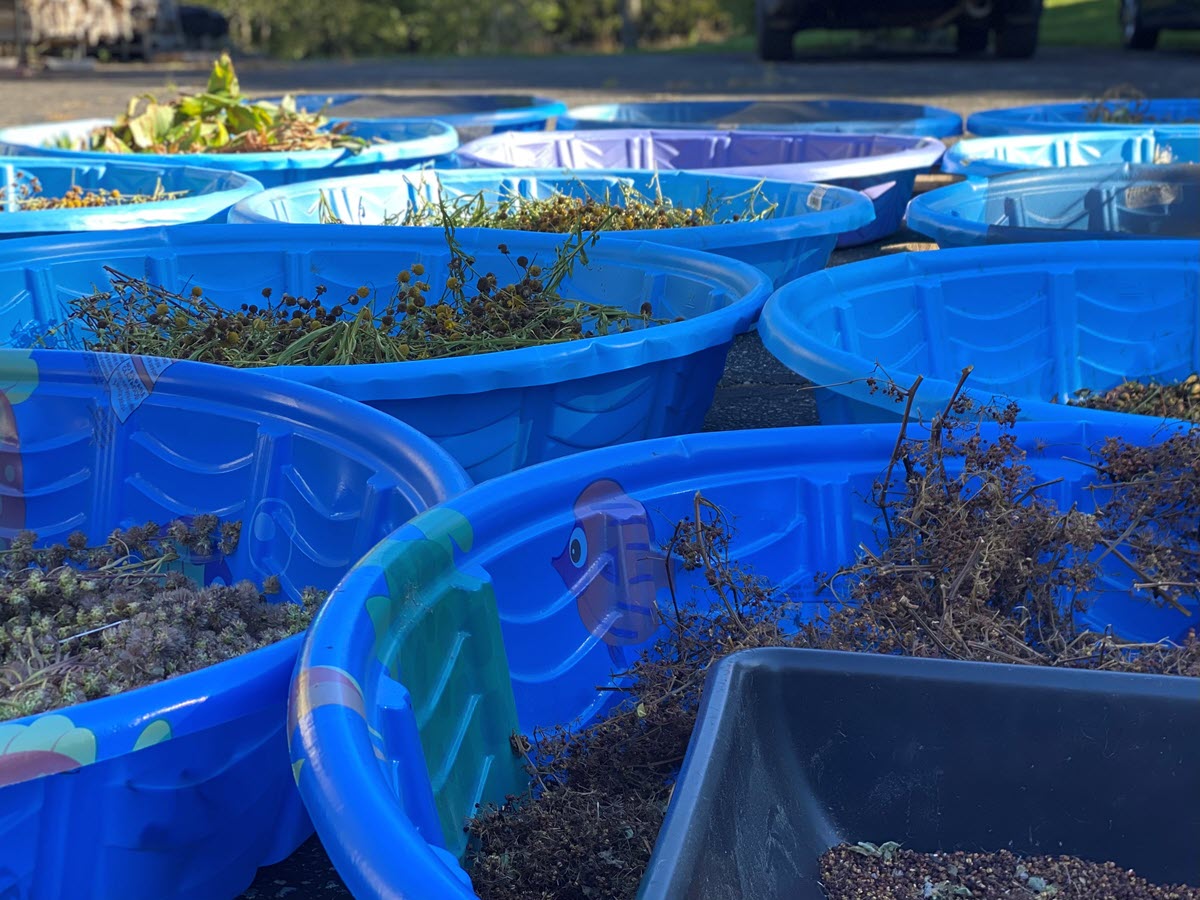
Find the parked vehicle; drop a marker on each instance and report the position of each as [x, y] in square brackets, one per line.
[1142, 20]
[1014, 22]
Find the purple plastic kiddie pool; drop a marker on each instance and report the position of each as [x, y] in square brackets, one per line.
[882, 166]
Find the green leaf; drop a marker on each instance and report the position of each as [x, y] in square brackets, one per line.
[242, 119]
[223, 79]
[191, 107]
[110, 143]
[141, 131]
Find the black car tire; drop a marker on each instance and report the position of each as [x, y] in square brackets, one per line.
[1017, 40]
[1133, 35]
[971, 38]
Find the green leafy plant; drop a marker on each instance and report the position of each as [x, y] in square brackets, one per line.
[218, 119]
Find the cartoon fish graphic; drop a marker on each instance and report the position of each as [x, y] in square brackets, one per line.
[612, 568]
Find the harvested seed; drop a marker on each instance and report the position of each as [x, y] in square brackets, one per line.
[27, 196]
[472, 312]
[977, 566]
[627, 209]
[80, 622]
[1177, 400]
[888, 872]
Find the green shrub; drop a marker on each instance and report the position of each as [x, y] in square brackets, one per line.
[294, 29]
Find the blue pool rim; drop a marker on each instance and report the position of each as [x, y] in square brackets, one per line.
[345, 791]
[1032, 119]
[476, 374]
[195, 207]
[204, 689]
[844, 116]
[542, 109]
[853, 210]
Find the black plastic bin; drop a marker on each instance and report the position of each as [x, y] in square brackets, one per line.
[796, 751]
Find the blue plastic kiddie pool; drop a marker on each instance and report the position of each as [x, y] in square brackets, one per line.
[182, 788]
[473, 115]
[396, 144]
[1174, 117]
[506, 608]
[981, 157]
[796, 238]
[495, 411]
[1088, 203]
[206, 194]
[1038, 322]
[884, 167]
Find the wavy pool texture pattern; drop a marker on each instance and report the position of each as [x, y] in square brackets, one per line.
[1037, 321]
[493, 412]
[983, 157]
[92, 441]
[460, 628]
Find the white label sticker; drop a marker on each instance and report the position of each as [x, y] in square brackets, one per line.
[816, 196]
[129, 380]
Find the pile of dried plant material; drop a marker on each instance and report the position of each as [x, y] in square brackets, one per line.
[27, 195]
[472, 312]
[218, 119]
[626, 209]
[973, 561]
[80, 622]
[1177, 400]
[887, 871]
[1126, 105]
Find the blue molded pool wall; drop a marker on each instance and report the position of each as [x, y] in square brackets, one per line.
[1037, 321]
[794, 240]
[982, 157]
[493, 412]
[209, 193]
[184, 788]
[399, 624]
